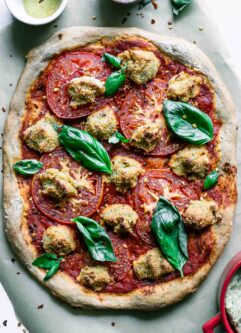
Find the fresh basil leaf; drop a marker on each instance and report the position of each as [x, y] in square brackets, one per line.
[114, 82]
[143, 3]
[84, 148]
[211, 180]
[48, 261]
[27, 167]
[168, 227]
[114, 61]
[96, 239]
[188, 122]
[52, 270]
[45, 261]
[179, 5]
[117, 137]
[183, 238]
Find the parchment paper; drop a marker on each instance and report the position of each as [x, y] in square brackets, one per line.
[25, 293]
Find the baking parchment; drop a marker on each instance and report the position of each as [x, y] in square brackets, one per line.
[27, 294]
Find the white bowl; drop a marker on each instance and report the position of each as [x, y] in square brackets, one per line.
[17, 9]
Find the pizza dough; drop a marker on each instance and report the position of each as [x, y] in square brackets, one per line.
[16, 196]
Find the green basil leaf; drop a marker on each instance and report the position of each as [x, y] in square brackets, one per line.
[117, 137]
[84, 148]
[114, 82]
[211, 180]
[46, 261]
[114, 61]
[53, 269]
[96, 239]
[179, 5]
[168, 227]
[27, 167]
[143, 3]
[188, 122]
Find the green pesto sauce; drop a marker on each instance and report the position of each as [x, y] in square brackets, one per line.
[41, 8]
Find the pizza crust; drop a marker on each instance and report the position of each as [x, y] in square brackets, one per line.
[61, 285]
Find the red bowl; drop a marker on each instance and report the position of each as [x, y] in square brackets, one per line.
[222, 317]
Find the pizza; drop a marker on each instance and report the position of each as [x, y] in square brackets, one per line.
[119, 167]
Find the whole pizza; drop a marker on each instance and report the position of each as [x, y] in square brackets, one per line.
[119, 167]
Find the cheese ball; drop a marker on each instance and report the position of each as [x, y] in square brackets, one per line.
[94, 277]
[184, 86]
[125, 172]
[121, 217]
[57, 184]
[151, 265]
[102, 124]
[42, 136]
[146, 136]
[192, 162]
[59, 240]
[141, 66]
[83, 90]
[202, 213]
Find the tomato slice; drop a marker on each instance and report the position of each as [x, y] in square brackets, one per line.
[152, 185]
[86, 202]
[120, 268]
[145, 103]
[67, 67]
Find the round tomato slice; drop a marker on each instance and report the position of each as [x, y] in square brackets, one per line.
[145, 104]
[120, 268]
[67, 67]
[152, 185]
[89, 191]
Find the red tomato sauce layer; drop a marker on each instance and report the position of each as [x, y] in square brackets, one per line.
[156, 180]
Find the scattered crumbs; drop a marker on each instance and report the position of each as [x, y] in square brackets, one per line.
[169, 23]
[153, 21]
[13, 260]
[93, 17]
[10, 84]
[19, 324]
[113, 324]
[194, 42]
[170, 27]
[3, 109]
[124, 20]
[18, 273]
[155, 5]
[40, 306]
[60, 36]
[5, 322]
[200, 28]
[56, 26]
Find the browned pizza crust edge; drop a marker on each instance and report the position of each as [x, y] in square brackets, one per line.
[61, 285]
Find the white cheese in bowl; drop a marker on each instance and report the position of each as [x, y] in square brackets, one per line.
[233, 301]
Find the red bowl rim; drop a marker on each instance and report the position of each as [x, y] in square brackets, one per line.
[232, 268]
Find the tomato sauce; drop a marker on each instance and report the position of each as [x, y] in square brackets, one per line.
[126, 248]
